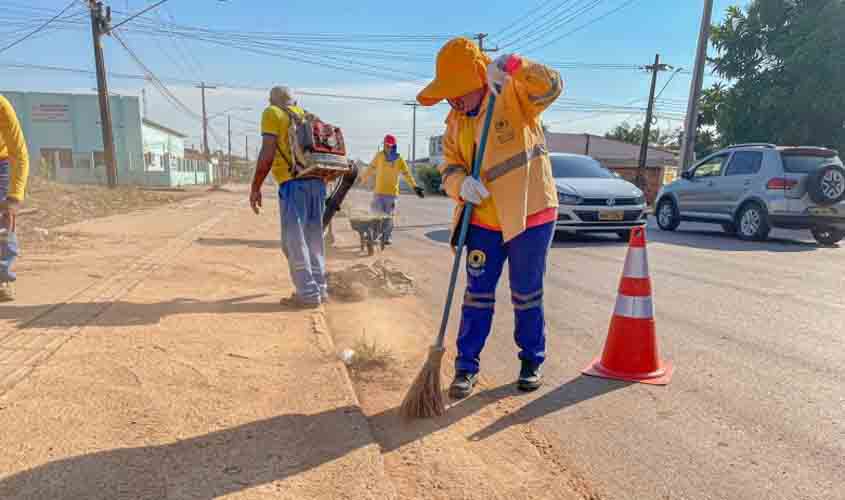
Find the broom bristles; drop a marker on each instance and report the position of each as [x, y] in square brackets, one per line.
[424, 398]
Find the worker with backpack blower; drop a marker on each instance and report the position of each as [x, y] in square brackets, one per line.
[515, 200]
[301, 202]
[387, 166]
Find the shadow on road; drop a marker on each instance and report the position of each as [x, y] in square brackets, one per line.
[209, 466]
[237, 242]
[230, 460]
[569, 394]
[568, 240]
[721, 241]
[130, 313]
[440, 236]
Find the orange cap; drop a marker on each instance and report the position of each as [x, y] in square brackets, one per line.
[461, 69]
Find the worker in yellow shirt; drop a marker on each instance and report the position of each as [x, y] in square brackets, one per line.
[301, 203]
[515, 199]
[14, 171]
[387, 166]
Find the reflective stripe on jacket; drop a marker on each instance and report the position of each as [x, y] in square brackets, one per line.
[516, 168]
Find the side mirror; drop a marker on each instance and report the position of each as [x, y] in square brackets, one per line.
[686, 174]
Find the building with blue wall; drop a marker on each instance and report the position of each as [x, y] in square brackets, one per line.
[64, 135]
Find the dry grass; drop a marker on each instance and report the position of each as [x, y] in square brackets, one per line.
[370, 355]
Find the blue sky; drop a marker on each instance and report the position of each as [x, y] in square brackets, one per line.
[629, 36]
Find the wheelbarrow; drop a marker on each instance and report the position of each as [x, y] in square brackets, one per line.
[370, 230]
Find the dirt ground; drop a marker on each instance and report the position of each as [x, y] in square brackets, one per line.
[172, 372]
[50, 204]
[446, 457]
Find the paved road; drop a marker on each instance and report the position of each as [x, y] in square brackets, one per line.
[756, 409]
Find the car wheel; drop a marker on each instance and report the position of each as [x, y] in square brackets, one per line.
[753, 223]
[729, 227]
[624, 235]
[828, 236]
[667, 215]
[826, 185]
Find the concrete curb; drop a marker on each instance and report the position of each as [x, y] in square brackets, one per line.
[325, 341]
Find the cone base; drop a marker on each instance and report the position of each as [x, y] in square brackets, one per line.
[660, 377]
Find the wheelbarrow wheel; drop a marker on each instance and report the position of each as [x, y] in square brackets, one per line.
[371, 248]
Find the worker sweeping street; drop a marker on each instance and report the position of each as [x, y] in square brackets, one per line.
[387, 166]
[301, 203]
[514, 199]
[14, 172]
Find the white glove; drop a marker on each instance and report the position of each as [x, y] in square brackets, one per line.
[473, 191]
[496, 73]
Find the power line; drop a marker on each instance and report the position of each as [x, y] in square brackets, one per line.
[558, 22]
[151, 7]
[583, 26]
[38, 29]
[528, 14]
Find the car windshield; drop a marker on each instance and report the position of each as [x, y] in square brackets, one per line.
[804, 164]
[577, 166]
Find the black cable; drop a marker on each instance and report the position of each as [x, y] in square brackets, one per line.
[583, 26]
[38, 29]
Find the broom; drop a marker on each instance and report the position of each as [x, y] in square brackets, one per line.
[424, 398]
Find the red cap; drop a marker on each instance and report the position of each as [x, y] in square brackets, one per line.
[389, 139]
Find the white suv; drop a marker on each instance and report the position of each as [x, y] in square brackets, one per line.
[750, 188]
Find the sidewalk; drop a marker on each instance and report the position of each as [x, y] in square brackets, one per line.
[171, 371]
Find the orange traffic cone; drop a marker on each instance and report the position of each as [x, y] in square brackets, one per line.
[630, 352]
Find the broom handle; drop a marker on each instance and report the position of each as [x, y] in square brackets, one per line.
[467, 215]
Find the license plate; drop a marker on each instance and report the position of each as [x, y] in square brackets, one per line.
[823, 211]
[613, 215]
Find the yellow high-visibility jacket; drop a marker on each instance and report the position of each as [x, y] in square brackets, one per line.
[13, 148]
[516, 168]
[387, 174]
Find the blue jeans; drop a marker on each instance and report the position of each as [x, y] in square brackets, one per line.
[486, 255]
[385, 204]
[8, 239]
[301, 207]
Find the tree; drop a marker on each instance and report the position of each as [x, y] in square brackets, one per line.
[634, 135]
[785, 60]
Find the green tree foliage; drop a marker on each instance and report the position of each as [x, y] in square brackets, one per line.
[625, 132]
[785, 61]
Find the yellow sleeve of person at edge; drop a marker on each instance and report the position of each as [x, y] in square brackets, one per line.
[13, 147]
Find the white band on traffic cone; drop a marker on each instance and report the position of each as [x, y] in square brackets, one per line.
[636, 263]
[634, 307]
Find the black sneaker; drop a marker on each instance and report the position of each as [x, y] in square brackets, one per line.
[530, 378]
[462, 385]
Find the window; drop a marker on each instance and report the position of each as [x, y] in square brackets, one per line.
[711, 167]
[745, 163]
[804, 164]
[578, 166]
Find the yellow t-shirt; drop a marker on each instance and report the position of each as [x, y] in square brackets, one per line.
[13, 148]
[275, 121]
[485, 213]
[387, 174]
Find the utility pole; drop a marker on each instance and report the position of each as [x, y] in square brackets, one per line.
[246, 148]
[480, 37]
[413, 132]
[691, 122]
[99, 26]
[144, 99]
[229, 163]
[649, 115]
[203, 87]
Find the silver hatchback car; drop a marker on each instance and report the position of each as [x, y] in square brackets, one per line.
[751, 188]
